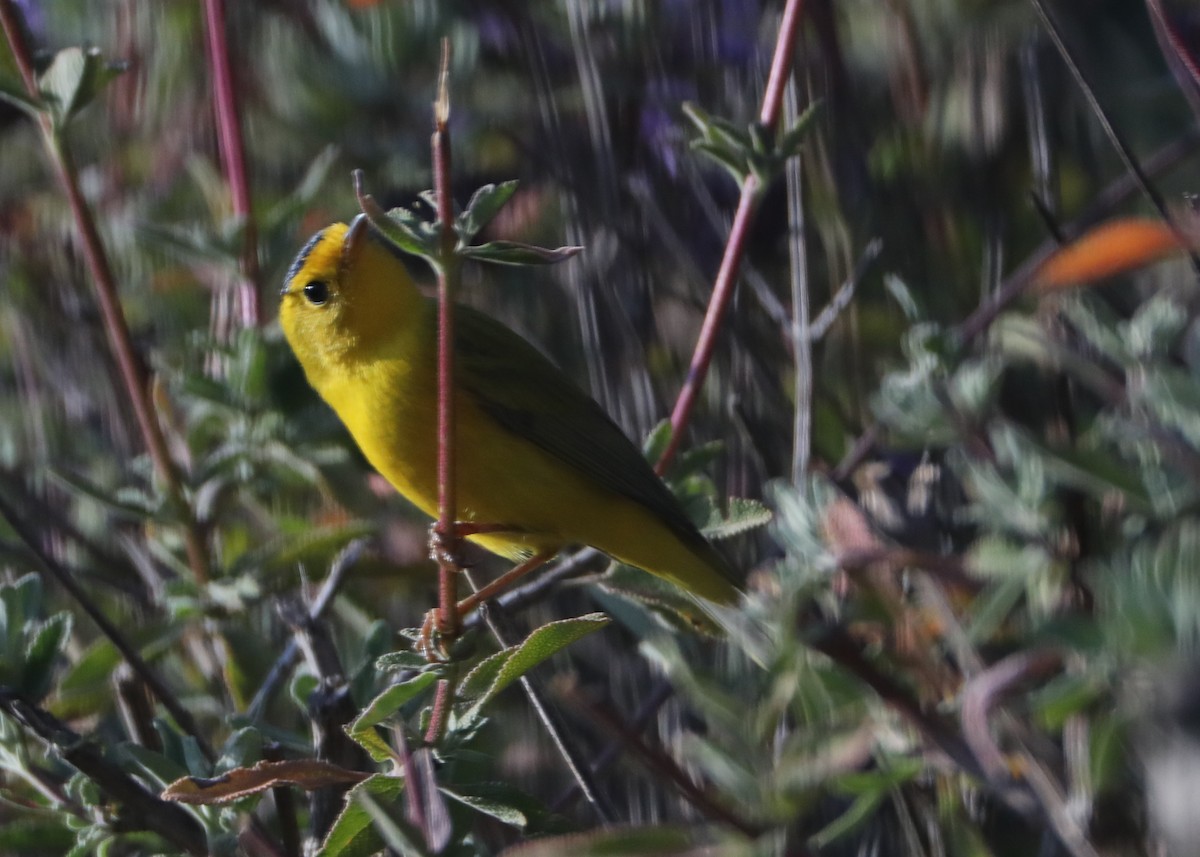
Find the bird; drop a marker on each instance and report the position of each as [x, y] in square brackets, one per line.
[539, 464]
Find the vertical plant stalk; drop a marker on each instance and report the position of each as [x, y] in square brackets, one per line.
[801, 311]
[448, 620]
[739, 232]
[232, 149]
[446, 533]
[132, 375]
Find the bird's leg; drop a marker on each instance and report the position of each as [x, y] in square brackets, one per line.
[431, 644]
[438, 630]
[504, 581]
[444, 551]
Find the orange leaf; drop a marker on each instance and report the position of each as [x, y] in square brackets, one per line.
[307, 774]
[1109, 249]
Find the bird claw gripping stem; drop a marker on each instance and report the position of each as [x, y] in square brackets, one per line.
[433, 642]
[446, 551]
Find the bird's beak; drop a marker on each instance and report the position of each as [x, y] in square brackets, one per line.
[356, 236]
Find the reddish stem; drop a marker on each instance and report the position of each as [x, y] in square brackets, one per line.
[443, 699]
[129, 366]
[735, 247]
[448, 618]
[233, 155]
[449, 623]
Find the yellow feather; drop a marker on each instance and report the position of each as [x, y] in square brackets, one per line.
[533, 452]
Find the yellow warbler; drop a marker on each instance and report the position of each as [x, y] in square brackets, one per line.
[534, 453]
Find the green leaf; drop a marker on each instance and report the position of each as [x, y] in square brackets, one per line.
[381, 708]
[517, 253]
[394, 830]
[500, 670]
[993, 606]
[157, 767]
[353, 834]
[34, 834]
[859, 813]
[1096, 471]
[657, 440]
[484, 205]
[134, 511]
[10, 73]
[404, 659]
[73, 79]
[302, 196]
[1065, 696]
[791, 141]
[12, 92]
[743, 515]
[507, 804]
[242, 749]
[47, 644]
[718, 131]
[641, 591]
[735, 165]
[411, 232]
[312, 545]
[496, 809]
[86, 686]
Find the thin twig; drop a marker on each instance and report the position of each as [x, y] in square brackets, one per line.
[801, 335]
[346, 559]
[660, 762]
[1114, 137]
[233, 155]
[1175, 50]
[980, 696]
[735, 247]
[985, 691]
[570, 565]
[129, 365]
[584, 779]
[845, 293]
[654, 700]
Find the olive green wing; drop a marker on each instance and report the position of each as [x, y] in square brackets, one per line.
[529, 396]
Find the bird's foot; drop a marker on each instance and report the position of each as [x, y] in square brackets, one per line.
[433, 642]
[445, 549]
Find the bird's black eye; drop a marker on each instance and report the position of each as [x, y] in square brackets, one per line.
[317, 292]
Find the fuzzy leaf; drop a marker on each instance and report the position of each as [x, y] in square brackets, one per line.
[791, 141]
[353, 834]
[517, 253]
[307, 774]
[485, 204]
[404, 659]
[743, 515]
[45, 647]
[502, 669]
[73, 79]
[381, 708]
[409, 232]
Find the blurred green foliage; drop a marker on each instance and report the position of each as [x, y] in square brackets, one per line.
[980, 639]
